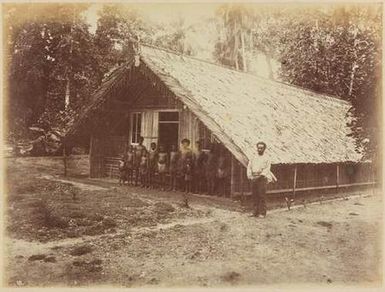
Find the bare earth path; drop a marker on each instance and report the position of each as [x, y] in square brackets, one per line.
[332, 243]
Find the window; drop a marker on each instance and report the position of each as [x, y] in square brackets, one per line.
[169, 117]
[136, 126]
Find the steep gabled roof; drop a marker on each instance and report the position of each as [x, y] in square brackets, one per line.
[298, 125]
[115, 78]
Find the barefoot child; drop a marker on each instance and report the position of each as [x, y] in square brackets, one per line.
[173, 168]
[122, 170]
[185, 152]
[162, 166]
[188, 174]
[130, 164]
[152, 160]
[143, 169]
[137, 158]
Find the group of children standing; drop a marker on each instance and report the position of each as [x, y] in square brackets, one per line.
[199, 171]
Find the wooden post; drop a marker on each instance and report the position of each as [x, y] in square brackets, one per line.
[241, 178]
[90, 154]
[338, 176]
[294, 181]
[232, 182]
[65, 159]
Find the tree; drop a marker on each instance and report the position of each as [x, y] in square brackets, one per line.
[337, 51]
[173, 37]
[119, 29]
[50, 61]
[334, 50]
[235, 23]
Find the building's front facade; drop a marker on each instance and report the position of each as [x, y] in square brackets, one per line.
[169, 97]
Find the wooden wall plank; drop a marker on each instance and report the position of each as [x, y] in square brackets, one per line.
[337, 174]
[241, 178]
[294, 180]
[232, 176]
[97, 149]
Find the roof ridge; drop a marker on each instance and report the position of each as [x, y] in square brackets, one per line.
[191, 57]
[330, 97]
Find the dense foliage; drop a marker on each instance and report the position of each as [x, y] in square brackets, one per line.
[51, 65]
[334, 50]
[55, 63]
[338, 52]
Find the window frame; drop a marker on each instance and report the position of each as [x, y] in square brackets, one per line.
[134, 137]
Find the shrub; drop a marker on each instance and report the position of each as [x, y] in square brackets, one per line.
[48, 215]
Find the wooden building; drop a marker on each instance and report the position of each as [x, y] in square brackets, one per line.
[165, 97]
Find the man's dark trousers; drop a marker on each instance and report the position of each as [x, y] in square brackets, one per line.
[258, 190]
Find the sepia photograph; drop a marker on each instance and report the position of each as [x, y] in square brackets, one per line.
[192, 145]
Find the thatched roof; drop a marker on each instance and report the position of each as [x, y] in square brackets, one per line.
[108, 87]
[298, 126]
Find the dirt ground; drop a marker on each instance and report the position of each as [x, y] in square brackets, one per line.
[79, 232]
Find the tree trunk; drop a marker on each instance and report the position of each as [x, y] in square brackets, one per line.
[69, 71]
[67, 95]
[236, 45]
[352, 76]
[354, 66]
[251, 42]
[244, 68]
[65, 159]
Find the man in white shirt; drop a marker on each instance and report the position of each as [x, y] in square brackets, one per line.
[258, 172]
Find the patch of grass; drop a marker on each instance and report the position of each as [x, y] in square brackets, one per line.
[161, 207]
[224, 227]
[73, 233]
[23, 189]
[109, 223]
[37, 257]
[50, 259]
[95, 217]
[27, 185]
[96, 262]
[325, 224]
[231, 277]
[90, 266]
[94, 230]
[84, 222]
[48, 216]
[136, 203]
[35, 204]
[49, 212]
[15, 197]
[76, 214]
[81, 250]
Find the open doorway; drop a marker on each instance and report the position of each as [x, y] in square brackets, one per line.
[168, 129]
